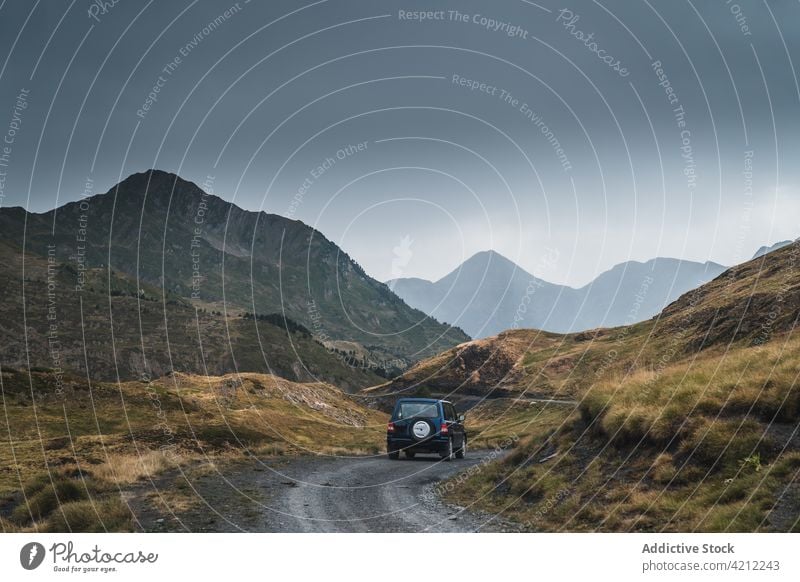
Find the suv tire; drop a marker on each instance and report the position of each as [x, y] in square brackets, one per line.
[448, 454]
[462, 452]
[410, 454]
[394, 455]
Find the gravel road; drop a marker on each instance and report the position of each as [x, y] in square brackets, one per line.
[313, 494]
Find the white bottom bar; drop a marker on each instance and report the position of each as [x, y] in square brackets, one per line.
[371, 557]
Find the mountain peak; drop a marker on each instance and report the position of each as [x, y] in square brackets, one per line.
[153, 175]
[488, 264]
[156, 183]
[490, 253]
[490, 256]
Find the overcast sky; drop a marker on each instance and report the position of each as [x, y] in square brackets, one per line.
[577, 141]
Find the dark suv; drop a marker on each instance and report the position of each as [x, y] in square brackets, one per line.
[425, 425]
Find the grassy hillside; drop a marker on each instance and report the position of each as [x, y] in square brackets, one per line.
[688, 421]
[65, 457]
[114, 328]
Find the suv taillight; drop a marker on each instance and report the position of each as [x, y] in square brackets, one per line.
[390, 427]
[445, 429]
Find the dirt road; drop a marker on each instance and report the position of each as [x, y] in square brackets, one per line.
[313, 494]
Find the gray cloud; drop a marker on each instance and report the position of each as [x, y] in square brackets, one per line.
[556, 149]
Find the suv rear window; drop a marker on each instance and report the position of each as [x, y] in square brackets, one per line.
[420, 409]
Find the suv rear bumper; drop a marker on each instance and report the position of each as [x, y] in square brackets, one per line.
[437, 444]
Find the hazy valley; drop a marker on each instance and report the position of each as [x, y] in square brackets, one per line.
[489, 293]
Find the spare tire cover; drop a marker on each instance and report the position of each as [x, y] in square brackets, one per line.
[421, 429]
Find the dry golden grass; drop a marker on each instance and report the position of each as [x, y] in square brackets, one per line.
[90, 446]
[7, 526]
[710, 396]
[706, 444]
[126, 469]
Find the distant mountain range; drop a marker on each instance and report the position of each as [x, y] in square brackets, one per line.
[739, 309]
[140, 259]
[488, 293]
[766, 250]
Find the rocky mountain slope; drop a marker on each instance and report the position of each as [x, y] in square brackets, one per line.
[143, 258]
[115, 328]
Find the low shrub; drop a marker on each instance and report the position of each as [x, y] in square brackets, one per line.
[723, 443]
[43, 500]
[91, 515]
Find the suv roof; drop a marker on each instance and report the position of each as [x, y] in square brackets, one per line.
[422, 400]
